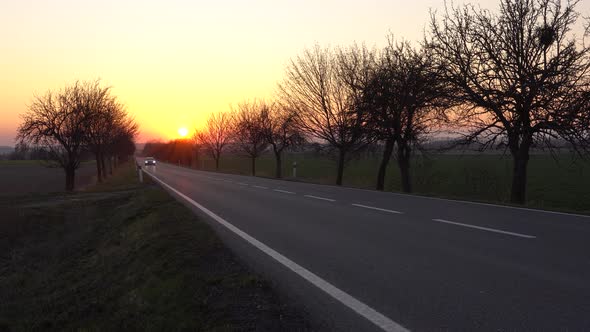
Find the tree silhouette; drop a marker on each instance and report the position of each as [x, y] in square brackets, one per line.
[248, 129]
[59, 122]
[281, 132]
[323, 87]
[109, 127]
[401, 99]
[521, 76]
[83, 116]
[216, 135]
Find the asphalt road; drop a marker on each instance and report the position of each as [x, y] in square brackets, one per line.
[421, 263]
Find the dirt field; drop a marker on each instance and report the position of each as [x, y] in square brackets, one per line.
[24, 176]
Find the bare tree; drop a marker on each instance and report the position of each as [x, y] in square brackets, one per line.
[249, 129]
[103, 110]
[281, 132]
[401, 98]
[110, 131]
[323, 88]
[58, 122]
[121, 143]
[197, 145]
[519, 74]
[84, 116]
[216, 134]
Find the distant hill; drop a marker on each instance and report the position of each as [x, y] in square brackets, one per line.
[6, 149]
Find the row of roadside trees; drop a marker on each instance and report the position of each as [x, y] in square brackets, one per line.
[517, 78]
[350, 98]
[251, 128]
[81, 118]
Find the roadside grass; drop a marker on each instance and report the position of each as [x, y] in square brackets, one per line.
[126, 178]
[558, 184]
[125, 256]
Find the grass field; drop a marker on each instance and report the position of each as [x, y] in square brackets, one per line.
[125, 256]
[19, 177]
[562, 184]
[44, 163]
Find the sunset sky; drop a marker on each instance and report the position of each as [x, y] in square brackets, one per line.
[173, 62]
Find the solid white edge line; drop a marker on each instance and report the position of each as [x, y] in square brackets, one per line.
[322, 198]
[357, 306]
[283, 191]
[376, 208]
[486, 229]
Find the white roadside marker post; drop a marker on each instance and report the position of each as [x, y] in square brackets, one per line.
[294, 169]
[140, 173]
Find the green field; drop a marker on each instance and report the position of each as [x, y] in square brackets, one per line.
[125, 256]
[562, 184]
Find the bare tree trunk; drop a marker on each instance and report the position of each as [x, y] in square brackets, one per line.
[103, 165]
[404, 169]
[98, 167]
[519, 177]
[341, 156]
[279, 165]
[253, 166]
[70, 178]
[217, 163]
[110, 163]
[384, 162]
[403, 162]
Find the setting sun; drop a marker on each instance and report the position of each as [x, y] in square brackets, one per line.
[182, 132]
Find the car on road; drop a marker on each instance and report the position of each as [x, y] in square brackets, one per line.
[149, 161]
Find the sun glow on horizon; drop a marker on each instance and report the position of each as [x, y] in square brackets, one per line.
[172, 63]
[183, 132]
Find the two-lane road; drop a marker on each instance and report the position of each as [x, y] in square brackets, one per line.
[395, 261]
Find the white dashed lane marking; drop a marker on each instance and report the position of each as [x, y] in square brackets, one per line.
[283, 191]
[321, 198]
[486, 229]
[376, 208]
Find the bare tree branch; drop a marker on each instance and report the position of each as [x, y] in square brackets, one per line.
[323, 88]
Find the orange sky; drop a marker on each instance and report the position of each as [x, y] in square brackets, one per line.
[173, 62]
